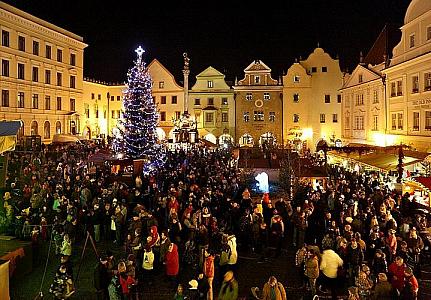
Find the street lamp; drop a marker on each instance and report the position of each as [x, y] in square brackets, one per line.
[108, 95]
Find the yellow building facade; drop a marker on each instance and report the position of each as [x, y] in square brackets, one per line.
[363, 108]
[41, 78]
[408, 80]
[211, 103]
[258, 107]
[311, 101]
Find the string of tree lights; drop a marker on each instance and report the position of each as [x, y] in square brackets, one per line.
[136, 135]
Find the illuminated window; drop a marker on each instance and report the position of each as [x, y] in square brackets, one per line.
[210, 84]
[246, 116]
[266, 96]
[259, 115]
[20, 100]
[35, 101]
[249, 96]
[334, 118]
[271, 116]
[161, 84]
[296, 98]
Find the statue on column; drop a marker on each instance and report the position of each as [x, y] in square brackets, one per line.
[186, 61]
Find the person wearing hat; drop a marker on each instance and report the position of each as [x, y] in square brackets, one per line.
[229, 287]
[364, 282]
[383, 289]
[273, 290]
[391, 243]
[102, 278]
[193, 292]
[411, 286]
[415, 244]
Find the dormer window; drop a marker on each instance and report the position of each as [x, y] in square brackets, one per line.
[210, 84]
[296, 78]
[412, 41]
[256, 79]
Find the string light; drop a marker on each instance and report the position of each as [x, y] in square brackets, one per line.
[136, 135]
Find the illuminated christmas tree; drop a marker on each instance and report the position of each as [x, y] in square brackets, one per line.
[136, 136]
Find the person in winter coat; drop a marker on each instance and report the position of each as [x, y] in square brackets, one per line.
[66, 246]
[233, 258]
[355, 257]
[172, 263]
[273, 290]
[208, 270]
[312, 269]
[396, 271]
[411, 287]
[148, 264]
[329, 267]
[383, 289]
[229, 287]
[364, 282]
[379, 264]
[102, 278]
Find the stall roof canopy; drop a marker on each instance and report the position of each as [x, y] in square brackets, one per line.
[9, 127]
[382, 160]
[8, 132]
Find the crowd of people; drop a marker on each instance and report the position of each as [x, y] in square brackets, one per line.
[196, 213]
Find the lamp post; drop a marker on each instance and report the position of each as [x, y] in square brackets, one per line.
[108, 95]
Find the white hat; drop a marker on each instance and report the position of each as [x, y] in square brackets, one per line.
[193, 284]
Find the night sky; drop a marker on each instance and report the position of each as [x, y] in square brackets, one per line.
[224, 34]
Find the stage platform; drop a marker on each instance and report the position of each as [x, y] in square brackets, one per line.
[18, 253]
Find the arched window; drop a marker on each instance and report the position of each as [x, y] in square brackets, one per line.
[267, 138]
[46, 130]
[73, 127]
[34, 130]
[21, 131]
[246, 140]
[58, 127]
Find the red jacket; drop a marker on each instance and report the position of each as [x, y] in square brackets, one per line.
[397, 271]
[172, 262]
[125, 282]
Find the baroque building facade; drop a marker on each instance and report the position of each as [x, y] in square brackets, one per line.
[311, 101]
[258, 107]
[408, 80]
[211, 102]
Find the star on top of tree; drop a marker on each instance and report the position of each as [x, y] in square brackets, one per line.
[139, 51]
